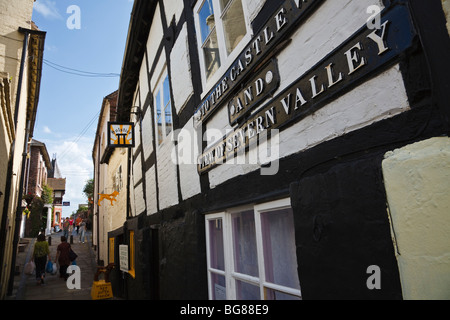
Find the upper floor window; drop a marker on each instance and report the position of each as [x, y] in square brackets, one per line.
[163, 109]
[221, 25]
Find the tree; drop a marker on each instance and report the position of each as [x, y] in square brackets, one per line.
[88, 189]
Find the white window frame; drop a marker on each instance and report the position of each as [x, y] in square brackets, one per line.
[159, 88]
[225, 59]
[230, 275]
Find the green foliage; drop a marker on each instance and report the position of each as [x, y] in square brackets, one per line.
[88, 189]
[47, 194]
[36, 215]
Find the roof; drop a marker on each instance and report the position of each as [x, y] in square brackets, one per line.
[138, 32]
[36, 50]
[112, 99]
[44, 152]
[56, 184]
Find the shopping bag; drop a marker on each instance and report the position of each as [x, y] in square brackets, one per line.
[72, 255]
[54, 269]
[29, 267]
[49, 267]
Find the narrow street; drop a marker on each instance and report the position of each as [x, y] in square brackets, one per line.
[55, 288]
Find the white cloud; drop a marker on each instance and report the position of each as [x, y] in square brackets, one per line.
[47, 129]
[74, 159]
[47, 8]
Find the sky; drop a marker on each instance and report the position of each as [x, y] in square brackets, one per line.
[83, 55]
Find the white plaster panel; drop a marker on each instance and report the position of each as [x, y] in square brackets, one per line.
[137, 169]
[143, 82]
[155, 36]
[147, 133]
[150, 191]
[173, 9]
[252, 7]
[139, 199]
[167, 174]
[188, 151]
[332, 24]
[181, 70]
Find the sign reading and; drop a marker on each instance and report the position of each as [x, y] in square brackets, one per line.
[362, 54]
[262, 85]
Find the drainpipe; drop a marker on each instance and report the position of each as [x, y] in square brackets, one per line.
[18, 211]
[9, 175]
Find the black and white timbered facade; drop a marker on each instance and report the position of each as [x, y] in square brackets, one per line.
[261, 133]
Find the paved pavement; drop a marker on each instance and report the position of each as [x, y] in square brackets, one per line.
[55, 288]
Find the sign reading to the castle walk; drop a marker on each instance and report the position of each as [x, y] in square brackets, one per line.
[363, 54]
[120, 135]
[284, 21]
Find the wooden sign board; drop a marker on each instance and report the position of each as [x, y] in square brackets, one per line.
[120, 134]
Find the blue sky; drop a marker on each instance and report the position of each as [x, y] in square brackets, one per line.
[69, 104]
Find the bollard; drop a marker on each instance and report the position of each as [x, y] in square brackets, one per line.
[71, 239]
[49, 241]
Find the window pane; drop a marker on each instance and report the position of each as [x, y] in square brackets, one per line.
[206, 19]
[167, 106]
[218, 287]
[216, 252]
[247, 291]
[158, 117]
[211, 54]
[244, 239]
[277, 295]
[280, 259]
[234, 25]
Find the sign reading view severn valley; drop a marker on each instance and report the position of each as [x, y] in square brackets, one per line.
[359, 56]
[120, 135]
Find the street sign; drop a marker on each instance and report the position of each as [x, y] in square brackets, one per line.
[120, 134]
[123, 258]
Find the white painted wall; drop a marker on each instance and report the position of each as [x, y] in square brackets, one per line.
[181, 70]
[417, 181]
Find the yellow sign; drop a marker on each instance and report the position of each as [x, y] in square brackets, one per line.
[101, 290]
[120, 134]
[111, 197]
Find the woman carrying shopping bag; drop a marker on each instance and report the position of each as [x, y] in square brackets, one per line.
[40, 254]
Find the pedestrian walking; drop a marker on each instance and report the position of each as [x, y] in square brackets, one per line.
[40, 253]
[62, 257]
[66, 225]
[71, 224]
[82, 231]
[77, 223]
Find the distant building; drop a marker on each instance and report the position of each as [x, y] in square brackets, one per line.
[38, 168]
[58, 184]
[110, 175]
[21, 54]
[36, 173]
